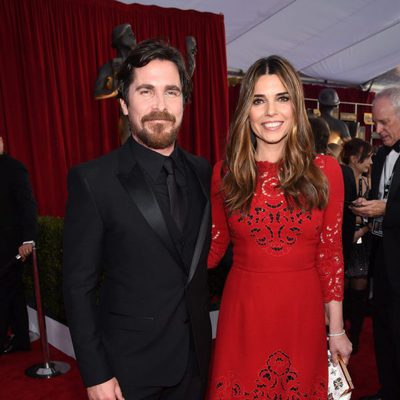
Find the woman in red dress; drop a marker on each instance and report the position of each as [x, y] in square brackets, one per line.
[281, 208]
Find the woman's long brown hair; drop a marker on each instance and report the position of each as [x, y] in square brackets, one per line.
[302, 182]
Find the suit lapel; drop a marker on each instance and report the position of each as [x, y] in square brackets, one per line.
[205, 220]
[135, 184]
[394, 186]
[200, 241]
[377, 167]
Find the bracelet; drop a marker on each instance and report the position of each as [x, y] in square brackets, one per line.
[337, 334]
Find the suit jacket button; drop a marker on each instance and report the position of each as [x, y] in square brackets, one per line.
[186, 321]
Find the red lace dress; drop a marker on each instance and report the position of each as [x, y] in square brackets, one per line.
[271, 340]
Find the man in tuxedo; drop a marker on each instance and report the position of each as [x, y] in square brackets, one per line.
[384, 209]
[18, 225]
[141, 214]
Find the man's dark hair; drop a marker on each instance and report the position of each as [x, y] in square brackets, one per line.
[145, 52]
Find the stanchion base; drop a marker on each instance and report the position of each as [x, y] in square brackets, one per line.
[47, 370]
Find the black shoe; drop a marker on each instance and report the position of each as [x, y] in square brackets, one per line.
[375, 396]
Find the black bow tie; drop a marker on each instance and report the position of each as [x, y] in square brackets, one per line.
[395, 147]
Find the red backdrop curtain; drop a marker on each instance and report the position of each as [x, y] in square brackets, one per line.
[50, 54]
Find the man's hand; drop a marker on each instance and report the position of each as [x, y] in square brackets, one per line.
[25, 250]
[369, 208]
[1, 146]
[108, 390]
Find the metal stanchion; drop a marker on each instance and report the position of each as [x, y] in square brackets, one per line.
[47, 369]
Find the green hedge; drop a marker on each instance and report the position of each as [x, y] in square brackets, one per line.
[49, 254]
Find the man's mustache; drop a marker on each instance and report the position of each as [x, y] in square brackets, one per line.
[158, 116]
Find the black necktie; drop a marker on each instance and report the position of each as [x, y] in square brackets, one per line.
[176, 201]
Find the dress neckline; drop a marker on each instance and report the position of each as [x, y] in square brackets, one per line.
[267, 165]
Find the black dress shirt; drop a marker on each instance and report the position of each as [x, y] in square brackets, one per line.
[152, 165]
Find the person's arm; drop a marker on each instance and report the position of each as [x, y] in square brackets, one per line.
[26, 206]
[82, 252]
[339, 344]
[330, 262]
[25, 250]
[220, 231]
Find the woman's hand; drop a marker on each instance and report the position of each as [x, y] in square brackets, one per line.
[340, 346]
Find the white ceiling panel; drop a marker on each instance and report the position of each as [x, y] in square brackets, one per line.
[335, 40]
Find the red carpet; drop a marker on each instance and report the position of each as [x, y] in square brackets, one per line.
[14, 385]
[362, 365]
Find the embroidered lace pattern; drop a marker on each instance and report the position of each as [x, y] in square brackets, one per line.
[215, 232]
[276, 228]
[272, 224]
[277, 380]
[330, 257]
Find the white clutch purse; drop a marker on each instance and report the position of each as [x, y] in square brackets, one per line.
[340, 384]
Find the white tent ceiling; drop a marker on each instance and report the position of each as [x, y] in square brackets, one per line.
[346, 41]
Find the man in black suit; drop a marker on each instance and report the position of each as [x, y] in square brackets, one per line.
[142, 213]
[18, 223]
[384, 208]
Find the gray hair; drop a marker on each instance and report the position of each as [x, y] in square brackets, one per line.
[392, 93]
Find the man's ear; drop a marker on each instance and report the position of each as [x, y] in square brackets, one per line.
[124, 107]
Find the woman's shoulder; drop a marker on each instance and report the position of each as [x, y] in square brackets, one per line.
[329, 166]
[326, 162]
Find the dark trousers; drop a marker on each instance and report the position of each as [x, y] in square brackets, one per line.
[386, 322]
[12, 296]
[189, 388]
[13, 313]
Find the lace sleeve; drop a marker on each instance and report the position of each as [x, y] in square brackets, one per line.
[220, 231]
[330, 252]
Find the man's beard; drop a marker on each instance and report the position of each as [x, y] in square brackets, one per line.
[157, 137]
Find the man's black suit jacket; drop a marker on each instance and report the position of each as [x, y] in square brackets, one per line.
[18, 215]
[391, 220]
[150, 301]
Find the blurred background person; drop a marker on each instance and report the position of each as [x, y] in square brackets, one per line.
[384, 210]
[321, 132]
[357, 154]
[18, 228]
